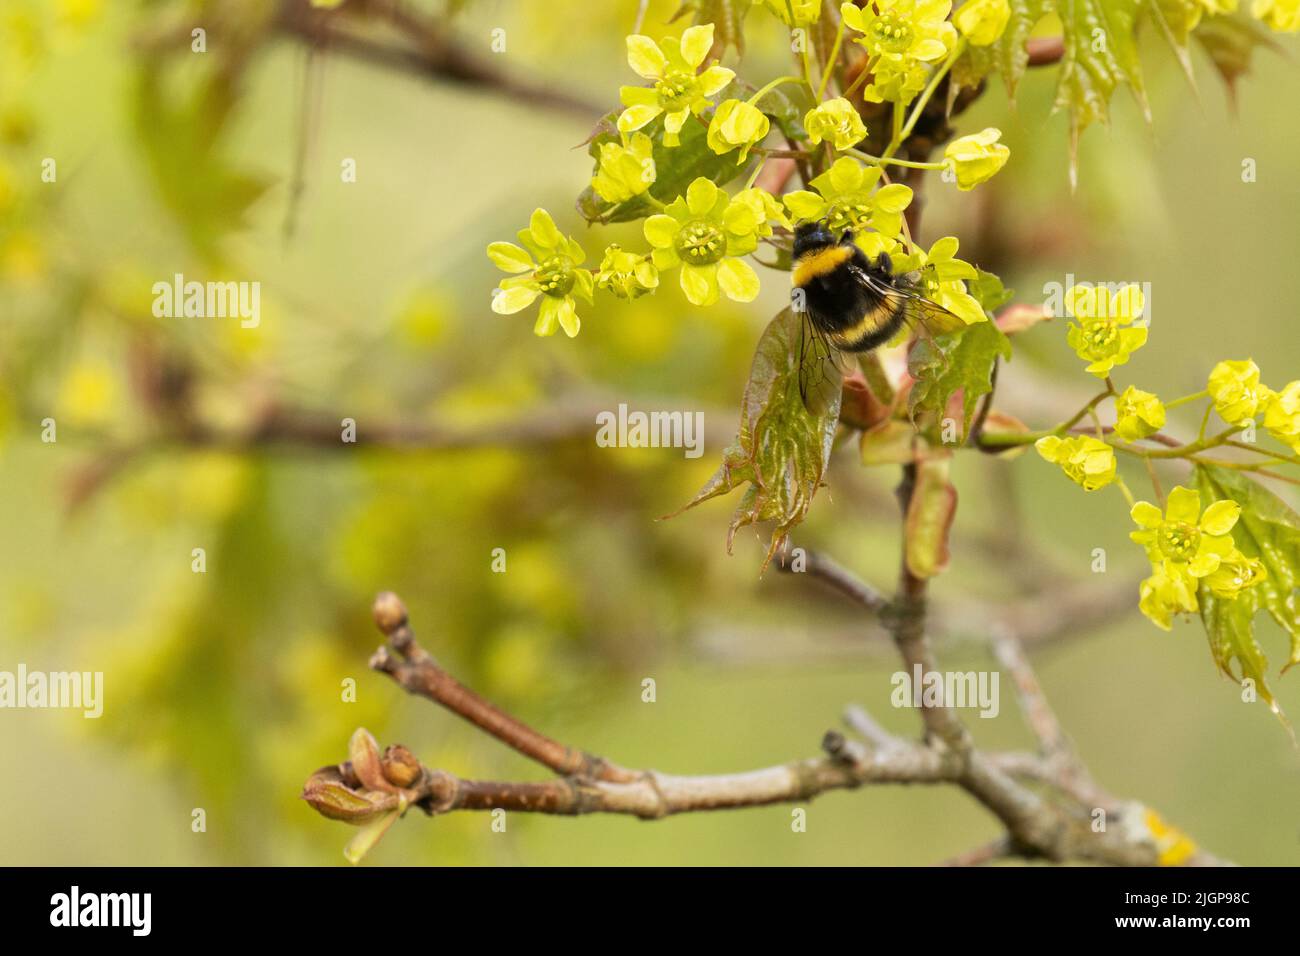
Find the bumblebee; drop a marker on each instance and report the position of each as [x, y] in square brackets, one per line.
[851, 303]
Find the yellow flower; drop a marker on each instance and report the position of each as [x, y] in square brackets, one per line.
[678, 89]
[1168, 591]
[626, 274]
[624, 170]
[548, 268]
[1236, 390]
[942, 278]
[896, 82]
[1100, 337]
[1282, 415]
[706, 232]
[735, 124]
[901, 30]
[1282, 16]
[976, 158]
[849, 200]
[837, 122]
[1138, 414]
[1185, 536]
[982, 21]
[1086, 461]
[766, 210]
[1235, 573]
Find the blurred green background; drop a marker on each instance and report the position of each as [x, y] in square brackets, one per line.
[223, 689]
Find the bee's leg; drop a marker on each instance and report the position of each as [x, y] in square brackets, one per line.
[885, 264]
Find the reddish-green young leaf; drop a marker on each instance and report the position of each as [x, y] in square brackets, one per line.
[958, 362]
[782, 448]
[889, 443]
[929, 518]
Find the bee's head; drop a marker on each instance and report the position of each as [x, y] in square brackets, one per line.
[812, 235]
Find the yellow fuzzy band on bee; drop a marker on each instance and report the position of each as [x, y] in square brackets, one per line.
[873, 321]
[820, 263]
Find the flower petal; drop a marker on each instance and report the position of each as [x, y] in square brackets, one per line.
[1184, 505]
[701, 194]
[568, 316]
[1081, 301]
[804, 204]
[894, 198]
[548, 318]
[696, 43]
[509, 258]
[1146, 515]
[542, 226]
[714, 79]
[1220, 517]
[1127, 304]
[645, 58]
[944, 248]
[846, 177]
[700, 283]
[660, 230]
[738, 280]
[510, 301]
[634, 117]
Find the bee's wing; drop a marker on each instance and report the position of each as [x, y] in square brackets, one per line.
[917, 311]
[821, 373]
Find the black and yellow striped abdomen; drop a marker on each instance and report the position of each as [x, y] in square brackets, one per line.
[850, 314]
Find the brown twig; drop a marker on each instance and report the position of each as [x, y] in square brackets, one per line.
[824, 569]
[1056, 830]
[419, 673]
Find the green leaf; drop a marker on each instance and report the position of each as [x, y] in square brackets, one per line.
[782, 448]
[1230, 627]
[957, 362]
[182, 138]
[676, 168]
[1269, 530]
[989, 291]
[1100, 54]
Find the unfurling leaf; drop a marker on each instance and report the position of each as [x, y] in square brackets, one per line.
[929, 518]
[781, 449]
[958, 362]
[1269, 530]
[1230, 627]
[1100, 53]
[368, 836]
